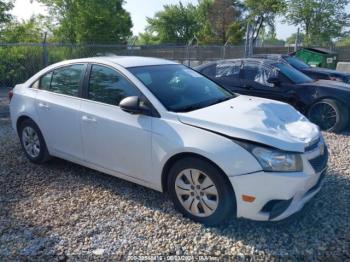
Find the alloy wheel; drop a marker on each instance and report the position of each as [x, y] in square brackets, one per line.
[324, 115]
[31, 142]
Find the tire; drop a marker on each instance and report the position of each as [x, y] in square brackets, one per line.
[330, 115]
[209, 209]
[33, 143]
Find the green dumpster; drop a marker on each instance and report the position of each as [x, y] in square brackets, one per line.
[318, 57]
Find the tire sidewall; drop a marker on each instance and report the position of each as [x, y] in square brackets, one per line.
[226, 196]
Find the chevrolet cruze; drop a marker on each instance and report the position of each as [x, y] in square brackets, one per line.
[164, 126]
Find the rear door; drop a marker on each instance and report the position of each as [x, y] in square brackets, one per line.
[113, 139]
[58, 107]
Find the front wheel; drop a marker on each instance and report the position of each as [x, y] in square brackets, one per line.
[201, 191]
[330, 115]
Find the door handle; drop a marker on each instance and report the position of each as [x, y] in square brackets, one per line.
[44, 106]
[89, 119]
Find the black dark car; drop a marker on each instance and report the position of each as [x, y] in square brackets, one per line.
[316, 73]
[324, 102]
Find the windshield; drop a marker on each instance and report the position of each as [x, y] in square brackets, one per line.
[292, 74]
[297, 63]
[179, 88]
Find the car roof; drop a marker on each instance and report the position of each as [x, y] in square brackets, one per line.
[253, 60]
[270, 56]
[124, 61]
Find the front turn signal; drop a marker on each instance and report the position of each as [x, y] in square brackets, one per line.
[247, 198]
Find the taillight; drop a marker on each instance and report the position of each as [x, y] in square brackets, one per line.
[10, 94]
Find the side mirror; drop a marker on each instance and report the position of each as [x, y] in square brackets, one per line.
[274, 80]
[133, 105]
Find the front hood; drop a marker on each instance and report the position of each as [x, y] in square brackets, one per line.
[255, 119]
[330, 84]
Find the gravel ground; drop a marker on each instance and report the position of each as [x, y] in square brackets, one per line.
[61, 211]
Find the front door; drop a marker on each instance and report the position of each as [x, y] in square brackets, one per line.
[113, 139]
[254, 81]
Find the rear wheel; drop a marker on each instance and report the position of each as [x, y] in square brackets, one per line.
[330, 115]
[32, 142]
[200, 191]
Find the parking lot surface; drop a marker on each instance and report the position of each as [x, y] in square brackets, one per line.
[62, 211]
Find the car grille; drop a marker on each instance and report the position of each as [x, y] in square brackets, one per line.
[320, 163]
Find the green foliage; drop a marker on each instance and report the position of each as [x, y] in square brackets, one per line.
[344, 42]
[90, 21]
[226, 23]
[262, 14]
[291, 40]
[175, 24]
[30, 31]
[211, 21]
[321, 20]
[147, 38]
[18, 63]
[269, 38]
[5, 7]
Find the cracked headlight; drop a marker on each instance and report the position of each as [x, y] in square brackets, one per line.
[274, 160]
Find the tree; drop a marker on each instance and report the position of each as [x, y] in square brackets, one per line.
[262, 14]
[30, 31]
[5, 7]
[343, 42]
[291, 40]
[147, 38]
[175, 24]
[225, 17]
[321, 20]
[90, 21]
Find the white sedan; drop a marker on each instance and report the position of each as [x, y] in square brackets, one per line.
[164, 126]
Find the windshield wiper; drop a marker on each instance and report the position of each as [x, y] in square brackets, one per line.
[189, 108]
[202, 105]
[220, 100]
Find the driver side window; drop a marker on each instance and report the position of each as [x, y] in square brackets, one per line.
[254, 72]
[108, 86]
[264, 73]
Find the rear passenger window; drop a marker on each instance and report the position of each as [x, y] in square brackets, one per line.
[66, 80]
[45, 82]
[108, 86]
[228, 69]
[209, 71]
[250, 72]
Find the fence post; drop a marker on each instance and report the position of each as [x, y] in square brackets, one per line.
[297, 41]
[188, 56]
[248, 42]
[45, 51]
[190, 43]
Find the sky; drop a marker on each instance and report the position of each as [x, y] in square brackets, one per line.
[139, 10]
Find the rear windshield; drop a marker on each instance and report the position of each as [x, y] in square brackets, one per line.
[297, 63]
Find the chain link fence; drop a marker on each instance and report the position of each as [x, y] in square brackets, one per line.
[19, 61]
